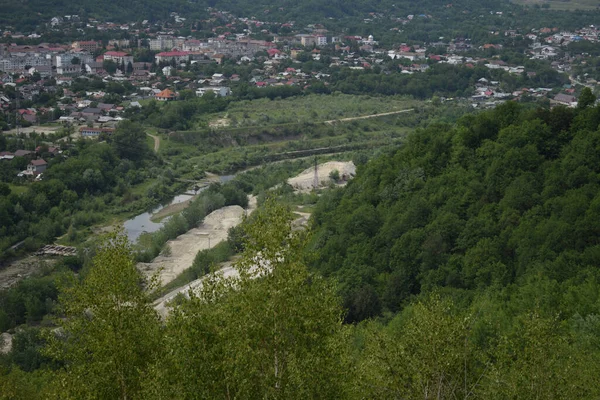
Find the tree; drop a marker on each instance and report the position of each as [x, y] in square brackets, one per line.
[110, 333]
[4, 189]
[272, 332]
[334, 175]
[423, 353]
[586, 98]
[109, 66]
[129, 140]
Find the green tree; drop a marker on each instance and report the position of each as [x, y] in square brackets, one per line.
[110, 333]
[272, 332]
[586, 98]
[109, 66]
[129, 140]
[424, 353]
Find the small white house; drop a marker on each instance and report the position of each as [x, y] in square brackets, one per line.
[221, 91]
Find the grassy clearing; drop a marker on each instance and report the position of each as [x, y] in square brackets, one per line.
[17, 189]
[312, 108]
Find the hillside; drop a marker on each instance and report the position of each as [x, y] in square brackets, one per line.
[358, 15]
[498, 200]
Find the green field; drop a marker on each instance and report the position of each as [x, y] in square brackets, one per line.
[313, 108]
[17, 189]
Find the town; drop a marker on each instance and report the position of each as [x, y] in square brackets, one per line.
[45, 82]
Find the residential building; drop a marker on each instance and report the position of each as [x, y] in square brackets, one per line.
[119, 57]
[89, 45]
[93, 132]
[36, 167]
[220, 91]
[168, 56]
[166, 95]
[565, 99]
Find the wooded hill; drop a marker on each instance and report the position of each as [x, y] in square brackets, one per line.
[463, 18]
[498, 201]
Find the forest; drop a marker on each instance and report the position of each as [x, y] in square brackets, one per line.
[460, 264]
[465, 18]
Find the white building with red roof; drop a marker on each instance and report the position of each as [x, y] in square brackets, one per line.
[178, 56]
[118, 57]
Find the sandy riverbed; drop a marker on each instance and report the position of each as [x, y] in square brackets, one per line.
[185, 247]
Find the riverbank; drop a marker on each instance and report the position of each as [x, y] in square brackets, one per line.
[184, 248]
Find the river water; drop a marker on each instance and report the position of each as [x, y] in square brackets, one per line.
[142, 223]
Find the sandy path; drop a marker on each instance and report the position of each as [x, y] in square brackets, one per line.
[156, 142]
[368, 116]
[185, 247]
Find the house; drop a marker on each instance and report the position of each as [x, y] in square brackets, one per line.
[36, 167]
[106, 107]
[94, 68]
[6, 155]
[168, 56]
[565, 99]
[23, 153]
[218, 58]
[119, 57]
[51, 150]
[93, 132]
[221, 91]
[166, 95]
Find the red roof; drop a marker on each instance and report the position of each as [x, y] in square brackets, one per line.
[38, 162]
[116, 53]
[166, 94]
[173, 54]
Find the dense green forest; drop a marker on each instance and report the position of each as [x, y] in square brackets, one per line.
[503, 200]
[276, 331]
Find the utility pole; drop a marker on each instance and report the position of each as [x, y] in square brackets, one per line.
[316, 178]
[17, 119]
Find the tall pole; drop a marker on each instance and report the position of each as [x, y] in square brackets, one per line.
[17, 119]
[316, 178]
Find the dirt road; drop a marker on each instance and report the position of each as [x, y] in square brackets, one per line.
[368, 116]
[156, 142]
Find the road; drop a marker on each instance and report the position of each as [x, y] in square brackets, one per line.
[573, 80]
[367, 116]
[156, 142]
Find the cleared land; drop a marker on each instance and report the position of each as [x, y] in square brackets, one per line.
[184, 248]
[313, 108]
[305, 180]
[17, 270]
